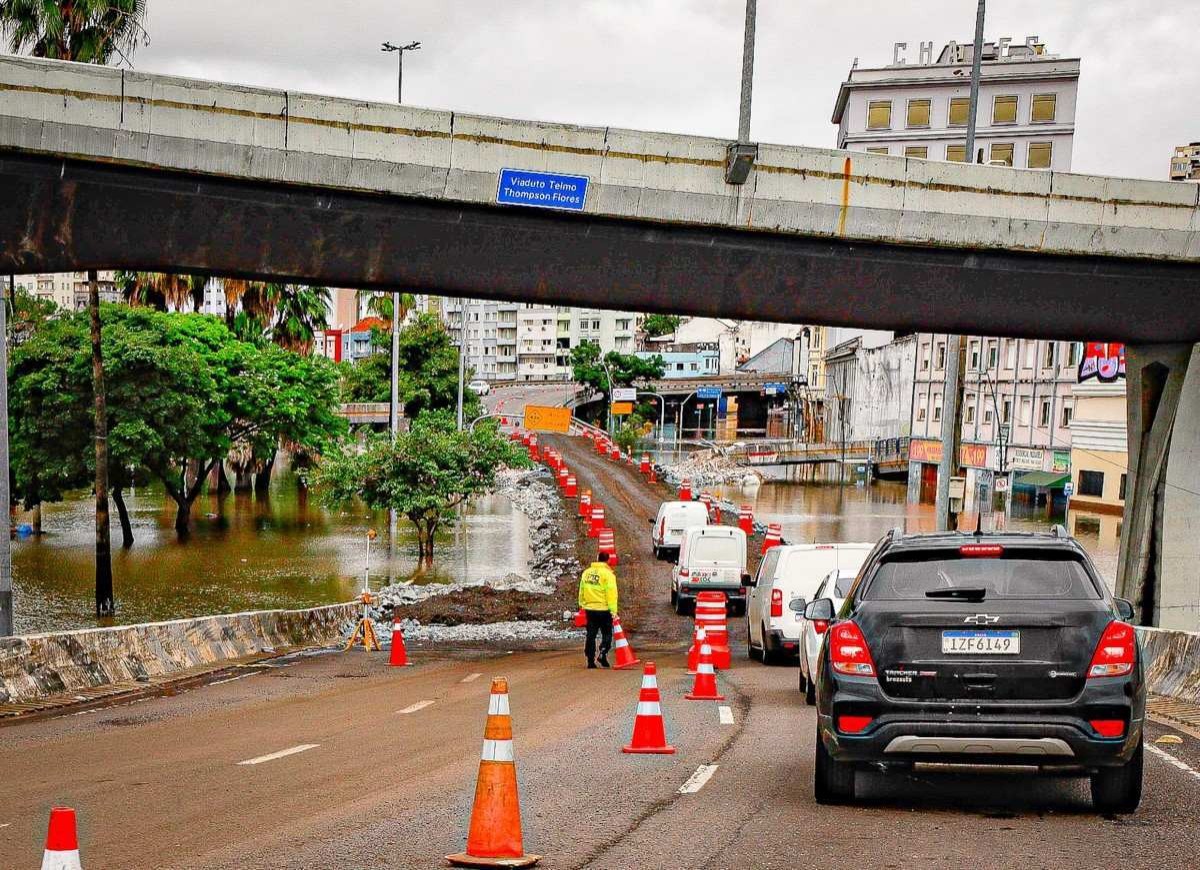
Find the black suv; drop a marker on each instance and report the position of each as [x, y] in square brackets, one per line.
[1007, 649]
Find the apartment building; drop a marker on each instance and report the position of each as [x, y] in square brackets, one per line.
[1185, 163]
[1099, 461]
[69, 290]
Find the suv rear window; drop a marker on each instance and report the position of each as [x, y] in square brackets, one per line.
[1026, 576]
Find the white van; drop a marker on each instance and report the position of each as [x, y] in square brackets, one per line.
[710, 558]
[673, 517]
[786, 580]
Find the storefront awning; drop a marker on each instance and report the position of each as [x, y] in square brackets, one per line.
[1040, 479]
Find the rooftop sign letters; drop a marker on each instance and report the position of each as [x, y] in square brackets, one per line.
[1104, 361]
[541, 189]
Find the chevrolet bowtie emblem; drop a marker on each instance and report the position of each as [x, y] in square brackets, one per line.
[982, 619]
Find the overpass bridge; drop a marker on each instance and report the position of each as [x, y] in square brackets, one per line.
[264, 183]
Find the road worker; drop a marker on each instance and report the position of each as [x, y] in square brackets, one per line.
[598, 598]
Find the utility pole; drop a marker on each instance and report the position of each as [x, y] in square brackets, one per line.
[976, 62]
[951, 404]
[462, 356]
[400, 49]
[6, 594]
[747, 72]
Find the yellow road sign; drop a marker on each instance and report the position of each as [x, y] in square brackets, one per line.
[620, 409]
[541, 418]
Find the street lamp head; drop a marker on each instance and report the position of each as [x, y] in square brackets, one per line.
[412, 46]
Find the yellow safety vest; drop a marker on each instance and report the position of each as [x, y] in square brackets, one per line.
[598, 588]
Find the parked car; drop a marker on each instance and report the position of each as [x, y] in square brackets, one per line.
[480, 388]
[1000, 649]
[835, 587]
[786, 580]
[710, 557]
[667, 528]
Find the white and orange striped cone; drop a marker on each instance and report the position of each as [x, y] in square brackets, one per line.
[773, 538]
[710, 612]
[399, 656]
[685, 490]
[625, 657]
[585, 506]
[62, 844]
[649, 729]
[494, 837]
[608, 544]
[698, 636]
[746, 519]
[704, 688]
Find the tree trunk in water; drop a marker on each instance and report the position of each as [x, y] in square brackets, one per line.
[262, 480]
[123, 516]
[222, 479]
[183, 514]
[243, 480]
[104, 585]
[36, 519]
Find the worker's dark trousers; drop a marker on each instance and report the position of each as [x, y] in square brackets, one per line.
[598, 621]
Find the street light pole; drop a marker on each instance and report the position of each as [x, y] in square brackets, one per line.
[6, 593]
[976, 62]
[400, 49]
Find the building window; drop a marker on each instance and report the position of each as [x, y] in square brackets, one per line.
[974, 356]
[921, 410]
[880, 150]
[1043, 108]
[941, 356]
[1030, 351]
[1073, 353]
[1006, 414]
[969, 416]
[879, 115]
[1066, 417]
[960, 110]
[916, 151]
[1121, 494]
[1004, 110]
[925, 358]
[987, 416]
[1039, 155]
[1026, 412]
[1010, 353]
[1001, 152]
[993, 354]
[1044, 416]
[1091, 483]
[956, 153]
[937, 408]
[1048, 358]
[918, 113]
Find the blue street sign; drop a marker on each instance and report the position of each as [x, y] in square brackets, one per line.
[1068, 489]
[708, 393]
[541, 189]
[774, 389]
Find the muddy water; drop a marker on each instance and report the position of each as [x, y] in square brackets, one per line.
[245, 553]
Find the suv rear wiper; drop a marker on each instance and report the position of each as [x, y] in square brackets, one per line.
[967, 593]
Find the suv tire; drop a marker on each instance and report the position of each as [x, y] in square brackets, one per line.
[681, 605]
[833, 781]
[769, 656]
[810, 693]
[1119, 789]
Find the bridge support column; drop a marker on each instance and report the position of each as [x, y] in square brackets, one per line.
[1159, 568]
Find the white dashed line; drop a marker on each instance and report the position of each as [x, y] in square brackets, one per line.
[230, 679]
[303, 747]
[697, 780]
[470, 678]
[420, 705]
[1171, 759]
[726, 714]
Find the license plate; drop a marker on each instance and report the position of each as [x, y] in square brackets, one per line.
[674, 532]
[704, 575]
[983, 641]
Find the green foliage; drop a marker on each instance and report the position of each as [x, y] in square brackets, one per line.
[423, 475]
[631, 432]
[661, 324]
[428, 365]
[626, 370]
[27, 314]
[88, 31]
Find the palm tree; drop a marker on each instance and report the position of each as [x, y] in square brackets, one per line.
[86, 31]
[300, 312]
[380, 304]
[163, 290]
[235, 289]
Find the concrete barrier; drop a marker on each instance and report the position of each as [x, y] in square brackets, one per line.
[37, 665]
[1172, 662]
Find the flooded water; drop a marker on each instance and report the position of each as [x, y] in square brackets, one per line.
[245, 553]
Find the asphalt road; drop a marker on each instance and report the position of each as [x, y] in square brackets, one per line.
[387, 779]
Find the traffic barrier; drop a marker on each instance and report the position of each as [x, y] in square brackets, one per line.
[601, 446]
[706, 500]
[773, 538]
[704, 687]
[621, 648]
[399, 656]
[494, 837]
[62, 842]
[608, 544]
[653, 475]
[533, 448]
[597, 520]
[649, 729]
[685, 490]
[615, 454]
[644, 465]
[746, 519]
[562, 476]
[572, 487]
[693, 654]
[585, 506]
[710, 613]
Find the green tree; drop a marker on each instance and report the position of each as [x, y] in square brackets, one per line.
[26, 315]
[655, 325]
[627, 370]
[300, 312]
[86, 31]
[423, 475]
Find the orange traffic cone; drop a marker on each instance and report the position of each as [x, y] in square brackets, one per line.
[399, 657]
[694, 650]
[649, 730]
[62, 845]
[773, 538]
[621, 648]
[705, 686]
[494, 838]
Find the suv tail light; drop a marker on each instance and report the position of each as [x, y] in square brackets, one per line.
[1116, 653]
[848, 651]
[853, 724]
[776, 602]
[1109, 727]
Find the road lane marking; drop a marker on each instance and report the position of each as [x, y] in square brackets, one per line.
[283, 753]
[1171, 759]
[726, 714]
[470, 678]
[697, 780]
[420, 705]
[230, 679]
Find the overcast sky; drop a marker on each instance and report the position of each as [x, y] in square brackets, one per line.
[674, 65]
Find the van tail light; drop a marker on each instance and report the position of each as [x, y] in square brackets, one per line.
[848, 651]
[853, 724]
[1109, 727]
[820, 626]
[662, 529]
[776, 603]
[981, 551]
[1116, 653]
[684, 572]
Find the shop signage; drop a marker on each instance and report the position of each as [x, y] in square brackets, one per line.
[1062, 461]
[925, 451]
[1026, 458]
[1102, 360]
[973, 455]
